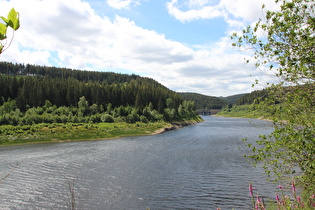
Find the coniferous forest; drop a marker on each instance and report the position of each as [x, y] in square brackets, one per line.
[205, 102]
[32, 94]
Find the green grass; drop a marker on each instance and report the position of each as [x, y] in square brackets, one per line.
[245, 111]
[58, 132]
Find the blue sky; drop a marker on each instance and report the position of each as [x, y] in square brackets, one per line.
[153, 15]
[183, 44]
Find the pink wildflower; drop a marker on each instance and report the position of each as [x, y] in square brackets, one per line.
[250, 188]
[312, 200]
[277, 197]
[258, 200]
[293, 187]
[259, 204]
[280, 187]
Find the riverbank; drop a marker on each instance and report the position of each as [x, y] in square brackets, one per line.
[258, 117]
[175, 126]
[59, 132]
[246, 111]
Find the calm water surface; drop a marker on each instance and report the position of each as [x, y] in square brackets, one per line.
[197, 167]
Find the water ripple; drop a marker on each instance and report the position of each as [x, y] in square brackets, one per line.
[197, 167]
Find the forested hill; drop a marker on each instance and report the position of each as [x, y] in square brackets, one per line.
[31, 86]
[203, 101]
[211, 102]
[249, 98]
[64, 73]
[234, 98]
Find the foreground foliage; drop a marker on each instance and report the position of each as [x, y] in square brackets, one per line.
[287, 49]
[283, 200]
[12, 21]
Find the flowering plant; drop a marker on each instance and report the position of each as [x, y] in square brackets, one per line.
[284, 202]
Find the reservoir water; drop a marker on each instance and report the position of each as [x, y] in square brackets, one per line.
[196, 167]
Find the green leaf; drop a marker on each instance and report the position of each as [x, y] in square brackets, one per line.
[5, 20]
[13, 18]
[3, 31]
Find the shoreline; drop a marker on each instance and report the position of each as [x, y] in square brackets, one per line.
[174, 126]
[247, 117]
[97, 132]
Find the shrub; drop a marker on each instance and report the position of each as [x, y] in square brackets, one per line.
[107, 118]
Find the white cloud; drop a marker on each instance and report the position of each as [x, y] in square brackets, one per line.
[204, 12]
[247, 10]
[16, 55]
[70, 34]
[197, 3]
[121, 4]
[218, 67]
[233, 11]
[79, 36]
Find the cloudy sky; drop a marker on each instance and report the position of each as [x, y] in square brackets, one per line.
[183, 44]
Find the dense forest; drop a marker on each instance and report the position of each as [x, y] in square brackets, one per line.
[203, 101]
[231, 100]
[250, 98]
[210, 102]
[49, 92]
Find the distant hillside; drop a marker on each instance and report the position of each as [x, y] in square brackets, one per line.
[31, 85]
[233, 99]
[203, 101]
[250, 97]
[211, 102]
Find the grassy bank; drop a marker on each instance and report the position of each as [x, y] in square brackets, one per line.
[245, 111]
[60, 132]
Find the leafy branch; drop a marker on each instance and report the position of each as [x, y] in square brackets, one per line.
[287, 48]
[13, 22]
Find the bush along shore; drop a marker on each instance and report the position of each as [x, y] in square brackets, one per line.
[84, 122]
[64, 132]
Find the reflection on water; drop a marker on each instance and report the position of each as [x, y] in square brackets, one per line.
[197, 167]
